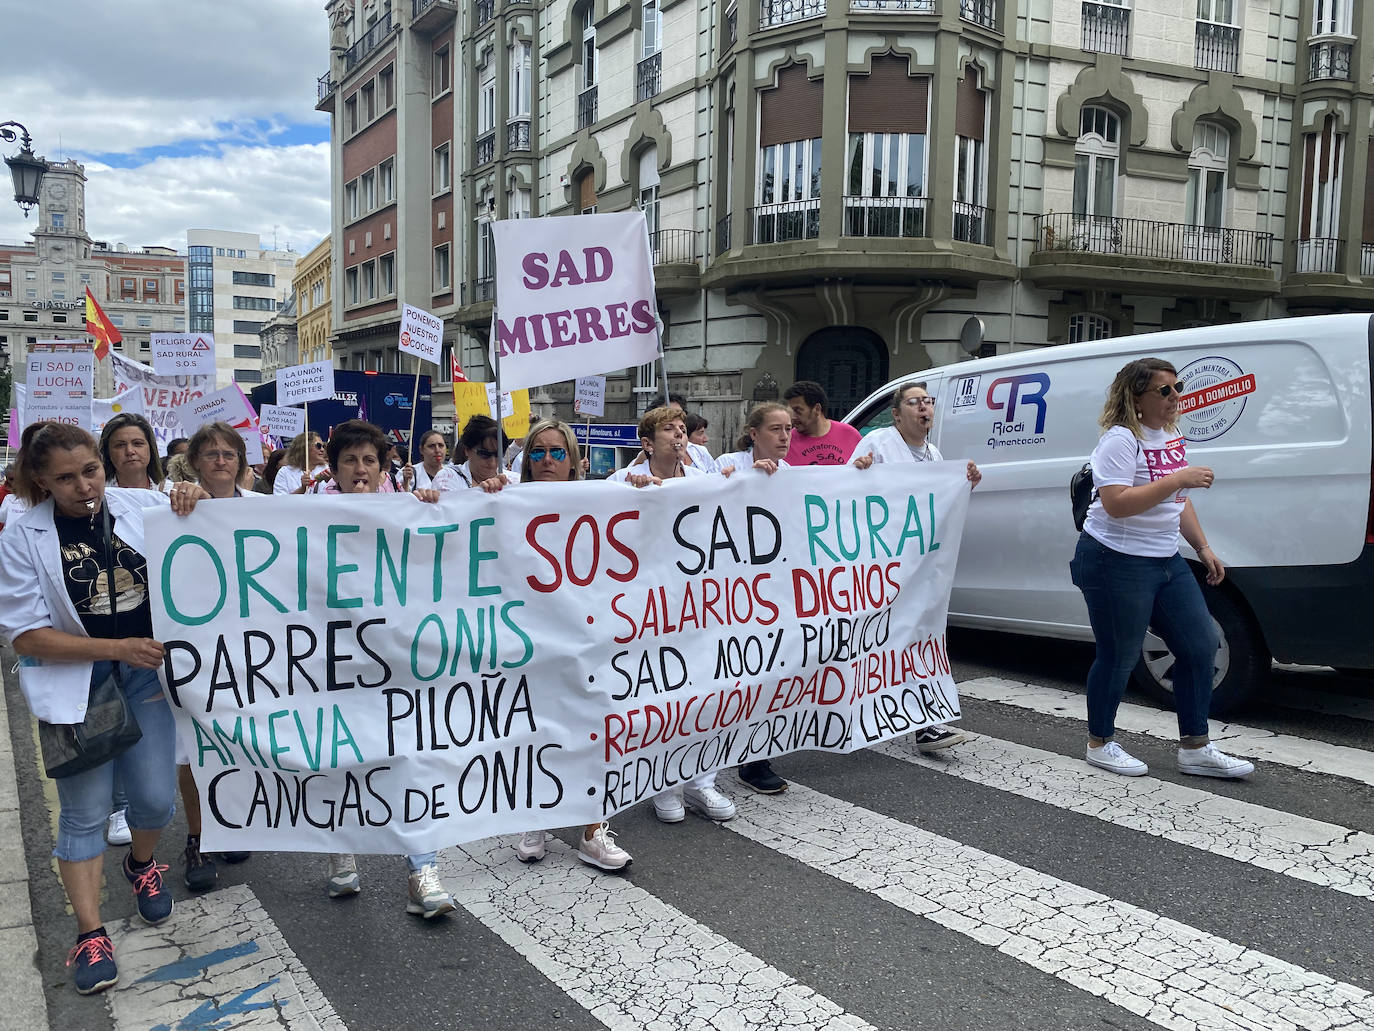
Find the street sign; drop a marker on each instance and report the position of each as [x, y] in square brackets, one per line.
[609, 434]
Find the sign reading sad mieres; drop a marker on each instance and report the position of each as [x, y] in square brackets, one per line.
[574, 297]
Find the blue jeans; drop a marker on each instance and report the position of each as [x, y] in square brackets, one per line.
[1126, 595]
[147, 770]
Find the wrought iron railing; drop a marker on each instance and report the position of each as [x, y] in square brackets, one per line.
[885, 216]
[783, 12]
[417, 7]
[586, 107]
[1328, 60]
[980, 12]
[486, 10]
[972, 223]
[1216, 47]
[790, 220]
[484, 150]
[324, 86]
[1367, 259]
[518, 135]
[1106, 28]
[649, 77]
[1318, 254]
[1142, 238]
[916, 6]
[674, 246]
[722, 234]
[483, 289]
[371, 40]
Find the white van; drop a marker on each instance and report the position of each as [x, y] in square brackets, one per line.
[1281, 411]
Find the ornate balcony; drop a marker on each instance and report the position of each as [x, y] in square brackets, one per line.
[790, 220]
[674, 246]
[911, 6]
[972, 223]
[430, 16]
[484, 149]
[586, 107]
[980, 12]
[1216, 47]
[773, 13]
[722, 235]
[893, 217]
[1328, 60]
[1318, 254]
[1106, 28]
[370, 41]
[518, 136]
[649, 77]
[1367, 260]
[483, 289]
[324, 86]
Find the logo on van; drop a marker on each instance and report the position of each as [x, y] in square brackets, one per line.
[1029, 388]
[1217, 390]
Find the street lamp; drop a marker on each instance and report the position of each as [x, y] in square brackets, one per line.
[26, 169]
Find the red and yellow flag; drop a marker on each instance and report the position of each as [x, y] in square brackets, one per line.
[98, 325]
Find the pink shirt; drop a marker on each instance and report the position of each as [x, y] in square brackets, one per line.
[832, 449]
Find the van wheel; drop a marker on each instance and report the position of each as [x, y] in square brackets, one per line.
[1242, 662]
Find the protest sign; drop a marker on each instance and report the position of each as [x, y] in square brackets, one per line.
[181, 354]
[225, 405]
[303, 383]
[574, 296]
[589, 395]
[17, 424]
[161, 394]
[59, 387]
[281, 421]
[472, 398]
[103, 409]
[365, 674]
[422, 334]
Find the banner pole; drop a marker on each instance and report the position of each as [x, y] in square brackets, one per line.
[494, 345]
[662, 359]
[414, 403]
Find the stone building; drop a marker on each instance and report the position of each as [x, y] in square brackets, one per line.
[311, 285]
[279, 340]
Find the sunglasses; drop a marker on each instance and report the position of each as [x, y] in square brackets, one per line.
[1169, 390]
[559, 454]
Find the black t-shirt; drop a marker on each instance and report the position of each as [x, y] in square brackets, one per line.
[82, 547]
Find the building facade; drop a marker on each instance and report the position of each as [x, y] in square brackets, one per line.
[43, 282]
[279, 340]
[835, 188]
[236, 288]
[311, 285]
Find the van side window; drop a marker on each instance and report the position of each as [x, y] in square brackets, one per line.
[875, 417]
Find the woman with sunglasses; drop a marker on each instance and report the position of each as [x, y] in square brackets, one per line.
[1132, 577]
[481, 443]
[305, 455]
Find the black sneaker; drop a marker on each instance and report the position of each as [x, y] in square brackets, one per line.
[760, 776]
[154, 900]
[233, 857]
[201, 873]
[93, 960]
[936, 737]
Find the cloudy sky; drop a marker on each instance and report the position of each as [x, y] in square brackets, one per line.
[196, 114]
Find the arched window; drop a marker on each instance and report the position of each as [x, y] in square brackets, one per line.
[1207, 167]
[648, 192]
[1097, 159]
[1088, 325]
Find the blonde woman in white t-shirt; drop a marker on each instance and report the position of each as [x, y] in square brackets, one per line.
[1132, 577]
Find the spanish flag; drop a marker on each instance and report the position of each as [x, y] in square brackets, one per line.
[99, 326]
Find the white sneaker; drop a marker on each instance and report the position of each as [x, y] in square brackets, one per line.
[602, 851]
[426, 896]
[1210, 761]
[531, 847]
[117, 829]
[1116, 759]
[668, 806]
[709, 802]
[343, 876]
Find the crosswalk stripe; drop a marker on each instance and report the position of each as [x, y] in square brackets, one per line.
[1165, 971]
[560, 914]
[219, 962]
[1251, 742]
[1309, 850]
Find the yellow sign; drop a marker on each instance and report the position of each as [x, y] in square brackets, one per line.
[471, 399]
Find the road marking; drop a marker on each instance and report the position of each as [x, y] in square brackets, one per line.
[220, 962]
[1251, 742]
[1169, 973]
[560, 915]
[1308, 850]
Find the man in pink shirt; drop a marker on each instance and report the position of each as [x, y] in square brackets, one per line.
[816, 440]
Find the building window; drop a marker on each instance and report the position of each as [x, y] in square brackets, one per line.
[351, 285]
[30, 316]
[443, 271]
[30, 274]
[128, 284]
[442, 170]
[442, 72]
[250, 328]
[59, 220]
[59, 277]
[59, 317]
[520, 80]
[386, 86]
[1096, 158]
[888, 112]
[486, 94]
[367, 190]
[369, 103]
[254, 303]
[145, 322]
[1319, 230]
[386, 175]
[1216, 45]
[588, 47]
[254, 279]
[1106, 26]
[386, 274]
[86, 278]
[518, 203]
[971, 222]
[486, 252]
[1331, 17]
[247, 351]
[350, 122]
[651, 27]
[247, 376]
[351, 200]
[586, 193]
[369, 281]
[150, 286]
[1207, 167]
[788, 188]
[648, 194]
[1087, 326]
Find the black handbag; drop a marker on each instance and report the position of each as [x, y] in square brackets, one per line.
[110, 727]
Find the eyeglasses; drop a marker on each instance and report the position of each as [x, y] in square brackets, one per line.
[918, 402]
[482, 452]
[558, 454]
[1168, 389]
[219, 456]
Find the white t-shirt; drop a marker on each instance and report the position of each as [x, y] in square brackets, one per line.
[12, 508]
[289, 478]
[1121, 459]
[459, 477]
[741, 460]
[423, 481]
[888, 445]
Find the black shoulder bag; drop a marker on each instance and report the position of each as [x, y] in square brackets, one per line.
[110, 727]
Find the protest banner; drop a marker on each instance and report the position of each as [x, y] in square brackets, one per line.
[472, 398]
[301, 384]
[574, 297]
[365, 674]
[59, 387]
[227, 404]
[422, 334]
[281, 421]
[17, 424]
[182, 354]
[103, 409]
[589, 396]
[161, 394]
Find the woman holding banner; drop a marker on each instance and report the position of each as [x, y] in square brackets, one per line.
[306, 454]
[433, 451]
[481, 442]
[129, 451]
[74, 601]
[550, 454]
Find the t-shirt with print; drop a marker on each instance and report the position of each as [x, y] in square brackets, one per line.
[832, 449]
[82, 548]
[1122, 459]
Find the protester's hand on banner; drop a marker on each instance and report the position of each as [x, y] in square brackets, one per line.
[185, 495]
[493, 485]
[866, 461]
[143, 652]
[974, 476]
[767, 465]
[643, 480]
[426, 495]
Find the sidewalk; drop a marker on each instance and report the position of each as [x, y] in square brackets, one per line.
[24, 1008]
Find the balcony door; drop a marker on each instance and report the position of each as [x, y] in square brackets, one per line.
[1097, 160]
[849, 362]
[1204, 237]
